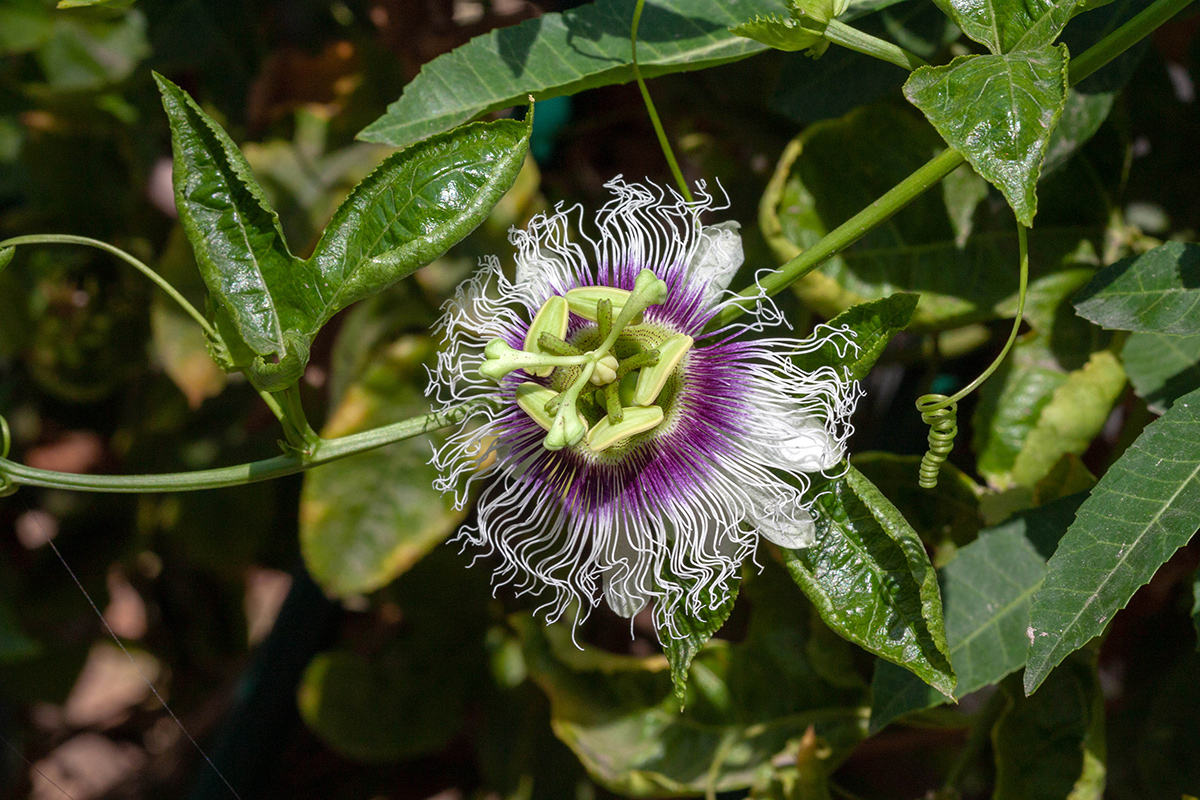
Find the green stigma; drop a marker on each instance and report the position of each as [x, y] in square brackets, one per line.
[605, 385]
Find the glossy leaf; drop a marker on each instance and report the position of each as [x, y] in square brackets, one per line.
[873, 324]
[988, 589]
[1162, 367]
[562, 54]
[999, 112]
[785, 34]
[1143, 509]
[683, 640]
[1156, 292]
[746, 702]
[1004, 26]
[819, 183]
[367, 519]
[871, 580]
[1051, 746]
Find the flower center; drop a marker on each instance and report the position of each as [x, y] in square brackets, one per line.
[607, 384]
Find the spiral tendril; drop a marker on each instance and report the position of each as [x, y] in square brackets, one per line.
[942, 418]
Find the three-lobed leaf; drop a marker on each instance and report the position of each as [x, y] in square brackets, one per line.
[1143, 509]
[869, 577]
[1155, 292]
[999, 111]
[1003, 26]
[688, 633]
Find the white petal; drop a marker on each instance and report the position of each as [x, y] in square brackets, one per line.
[793, 531]
[796, 443]
[717, 257]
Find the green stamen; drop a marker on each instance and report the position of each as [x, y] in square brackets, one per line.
[651, 380]
[551, 320]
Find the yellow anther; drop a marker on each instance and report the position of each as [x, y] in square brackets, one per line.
[551, 318]
[651, 380]
[583, 301]
[532, 399]
[605, 434]
[606, 370]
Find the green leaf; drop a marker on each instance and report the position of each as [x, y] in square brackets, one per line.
[1144, 508]
[1051, 746]
[874, 324]
[785, 34]
[406, 213]
[945, 517]
[746, 702]
[563, 54]
[988, 589]
[87, 3]
[88, 54]
[1162, 367]
[999, 112]
[1004, 26]
[367, 519]
[683, 639]
[24, 25]
[870, 578]
[1074, 416]
[415, 206]
[1155, 292]
[820, 183]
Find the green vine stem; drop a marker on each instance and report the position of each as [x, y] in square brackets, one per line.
[325, 451]
[939, 412]
[853, 39]
[936, 169]
[295, 424]
[663, 141]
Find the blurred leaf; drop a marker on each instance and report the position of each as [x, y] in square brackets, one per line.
[988, 589]
[869, 576]
[1074, 416]
[93, 53]
[1162, 367]
[367, 519]
[1051, 746]
[999, 112]
[24, 25]
[873, 324]
[1143, 509]
[14, 644]
[402, 216]
[564, 53]
[1068, 476]
[1155, 292]
[683, 639]
[820, 183]
[746, 702]
[86, 3]
[1004, 26]
[945, 517]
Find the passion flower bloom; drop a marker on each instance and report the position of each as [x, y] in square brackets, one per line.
[627, 451]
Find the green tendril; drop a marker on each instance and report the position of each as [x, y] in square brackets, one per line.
[663, 141]
[940, 412]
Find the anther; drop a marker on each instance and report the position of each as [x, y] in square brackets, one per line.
[651, 380]
[584, 301]
[605, 434]
[551, 319]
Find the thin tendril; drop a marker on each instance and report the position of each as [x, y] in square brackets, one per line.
[35, 768]
[663, 142]
[939, 412]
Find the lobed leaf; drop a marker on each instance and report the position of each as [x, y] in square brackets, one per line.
[1144, 508]
[1155, 292]
[1003, 26]
[871, 580]
[999, 111]
[987, 589]
[683, 639]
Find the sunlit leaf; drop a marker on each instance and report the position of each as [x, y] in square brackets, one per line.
[820, 183]
[1004, 26]
[873, 324]
[999, 112]
[1156, 292]
[1143, 509]
[869, 576]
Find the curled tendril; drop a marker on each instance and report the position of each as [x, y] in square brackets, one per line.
[275, 376]
[940, 412]
[942, 418]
